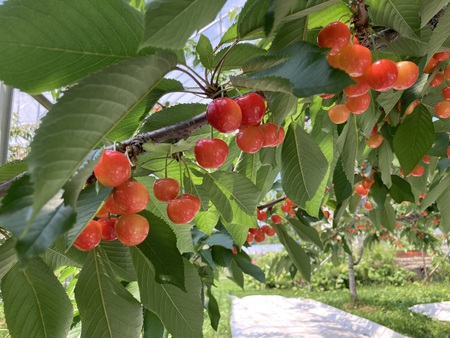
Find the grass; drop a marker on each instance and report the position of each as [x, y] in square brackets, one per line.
[385, 305]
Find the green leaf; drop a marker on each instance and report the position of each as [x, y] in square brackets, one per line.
[389, 99]
[106, 308]
[281, 105]
[245, 264]
[230, 35]
[296, 252]
[205, 52]
[401, 15]
[160, 248]
[39, 51]
[385, 216]
[307, 61]
[268, 83]
[306, 232]
[343, 188]
[96, 99]
[235, 197]
[119, 259]
[443, 203]
[435, 192]
[238, 55]
[429, 8]
[36, 304]
[400, 190]
[377, 193]
[234, 273]
[170, 23]
[347, 146]
[12, 169]
[265, 177]
[303, 165]
[213, 308]
[367, 120]
[304, 8]
[247, 165]
[220, 239]
[289, 33]
[252, 17]
[413, 138]
[180, 312]
[153, 328]
[440, 34]
[325, 16]
[205, 221]
[440, 145]
[8, 256]
[385, 158]
[262, 62]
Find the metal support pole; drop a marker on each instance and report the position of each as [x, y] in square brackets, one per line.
[6, 99]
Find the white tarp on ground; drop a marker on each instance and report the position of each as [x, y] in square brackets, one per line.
[440, 311]
[280, 317]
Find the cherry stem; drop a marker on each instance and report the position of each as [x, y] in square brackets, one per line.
[181, 174]
[218, 68]
[192, 77]
[165, 168]
[203, 79]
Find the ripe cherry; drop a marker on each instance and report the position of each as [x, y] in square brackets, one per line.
[375, 140]
[358, 104]
[112, 206]
[442, 109]
[253, 231]
[335, 35]
[408, 72]
[360, 190]
[113, 168]
[418, 171]
[102, 212]
[381, 75]
[285, 208]
[273, 134]
[430, 66]
[447, 73]
[249, 237]
[252, 107]
[361, 87]
[264, 228]
[90, 237]
[367, 183]
[276, 219]
[224, 115]
[326, 96]
[270, 232]
[438, 79]
[131, 197]
[261, 215]
[132, 229]
[426, 159]
[446, 93]
[355, 59]
[181, 210]
[211, 153]
[195, 199]
[368, 205]
[411, 107]
[260, 236]
[250, 139]
[441, 56]
[166, 189]
[333, 60]
[108, 232]
[339, 113]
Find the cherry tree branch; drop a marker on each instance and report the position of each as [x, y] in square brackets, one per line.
[43, 101]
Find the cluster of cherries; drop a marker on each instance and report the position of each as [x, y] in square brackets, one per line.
[259, 234]
[244, 113]
[363, 188]
[128, 198]
[181, 209]
[442, 108]
[347, 54]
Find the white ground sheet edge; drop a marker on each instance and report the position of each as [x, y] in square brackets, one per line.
[440, 311]
[280, 317]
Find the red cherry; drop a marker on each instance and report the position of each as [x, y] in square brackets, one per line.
[418, 171]
[90, 237]
[358, 104]
[333, 59]
[360, 190]
[260, 237]
[375, 140]
[211, 153]
[448, 152]
[108, 232]
[166, 189]
[442, 109]
[252, 107]
[276, 219]
[234, 250]
[102, 212]
[446, 93]
[335, 35]
[131, 197]
[273, 134]
[447, 73]
[270, 232]
[367, 183]
[285, 208]
[264, 228]
[132, 229]
[355, 59]
[381, 75]
[195, 199]
[326, 214]
[438, 79]
[368, 205]
[249, 238]
[289, 202]
[326, 96]
[339, 113]
[361, 87]
[426, 159]
[112, 206]
[224, 115]
[181, 210]
[261, 215]
[411, 107]
[441, 56]
[253, 231]
[408, 72]
[113, 168]
[430, 66]
[250, 139]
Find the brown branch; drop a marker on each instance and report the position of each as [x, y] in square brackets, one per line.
[44, 102]
[271, 203]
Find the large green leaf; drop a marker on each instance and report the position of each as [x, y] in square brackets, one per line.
[440, 34]
[235, 197]
[36, 304]
[205, 52]
[367, 120]
[385, 158]
[12, 169]
[180, 312]
[303, 165]
[238, 55]
[106, 308]
[413, 138]
[153, 328]
[281, 105]
[304, 8]
[347, 145]
[328, 14]
[51, 43]
[430, 8]
[443, 203]
[343, 188]
[389, 99]
[400, 190]
[435, 192]
[85, 114]
[385, 216]
[8, 256]
[306, 232]
[402, 15]
[120, 260]
[170, 23]
[289, 33]
[244, 262]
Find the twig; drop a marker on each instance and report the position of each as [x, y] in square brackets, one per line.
[192, 77]
[271, 203]
[44, 102]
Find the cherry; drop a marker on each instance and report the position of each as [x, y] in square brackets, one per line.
[234, 250]
[102, 212]
[339, 113]
[166, 189]
[442, 109]
[335, 35]
[261, 215]
[426, 159]
[276, 219]
[286, 208]
[113, 168]
[408, 73]
[360, 190]
[260, 237]
[181, 210]
[446, 93]
[367, 183]
[211, 153]
[195, 199]
[90, 237]
[381, 75]
[273, 134]
[253, 231]
[361, 87]
[290, 203]
[441, 56]
[418, 171]
[250, 139]
[333, 60]
[252, 107]
[355, 59]
[264, 228]
[249, 237]
[224, 115]
[131, 197]
[368, 205]
[112, 206]
[326, 96]
[447, 73]
[430, 66]
[108, 232]
[375, 140]
[132, 229]
[358, 104]
[438, 79]
[270, 232]
[448, 152]
[411, 107]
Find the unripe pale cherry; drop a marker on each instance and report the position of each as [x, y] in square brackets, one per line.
[375, 140]
[355, 59]
[430, 66]
[224, 115]
[437, 80]
[361, 87]
[113, 168]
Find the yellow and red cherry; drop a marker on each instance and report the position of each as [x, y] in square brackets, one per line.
[112, 206]
[166, 189]
[361, 87]
[358, 104]
[250, 139]
[90, 237]
[195, 199]
[224, 115]
[335, 35]
[252, 107]
[132, 229]
[211, 153]
[368, 205]
[339, 113]
[131, 197]
[446, 93]
[181, 210]
[408, 73]
[273, 134]
[355, 59]
[113, 168]
[108, 231]
[441, 56]
[442, 109]
[447, 73]
[411, 107]
[375, 140]
[438, 79]
[381, 75]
